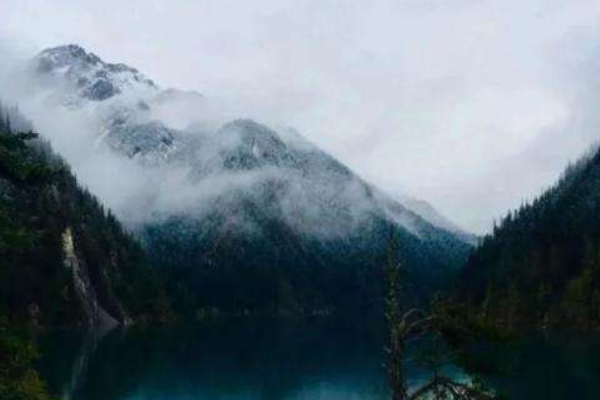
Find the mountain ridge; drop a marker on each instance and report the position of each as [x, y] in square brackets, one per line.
[243, 186]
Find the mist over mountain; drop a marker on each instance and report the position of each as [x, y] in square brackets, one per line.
[231, 202]
[433, 216]
[64, 259]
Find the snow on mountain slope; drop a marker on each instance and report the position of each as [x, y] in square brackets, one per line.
[116, 96]
[88, 76]
[236, 160]
[266, 207]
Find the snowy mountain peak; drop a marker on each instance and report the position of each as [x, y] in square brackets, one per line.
[89, 76]
[242, 162]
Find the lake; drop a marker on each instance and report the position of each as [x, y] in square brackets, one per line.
[288, 360]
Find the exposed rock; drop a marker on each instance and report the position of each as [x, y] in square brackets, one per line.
[96, 316]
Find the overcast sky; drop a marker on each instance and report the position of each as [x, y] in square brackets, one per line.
[473, 105]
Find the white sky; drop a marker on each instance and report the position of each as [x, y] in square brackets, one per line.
[473, 105]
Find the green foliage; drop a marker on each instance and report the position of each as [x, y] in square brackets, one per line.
[39, 200]
[444, 324]
[13, 238]
[214, 263]
[16, 163]
[461, 325]
[18, 379]
[541, 265]
[468, 332]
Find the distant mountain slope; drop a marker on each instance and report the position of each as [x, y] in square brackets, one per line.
[428, 212]
[89, 77]
[542, 263]
[299, 231]
[131, 126]
[293, 229]
[63, 259]
[240, 206]
[120, 99]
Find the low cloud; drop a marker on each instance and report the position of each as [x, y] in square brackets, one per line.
[473, 106]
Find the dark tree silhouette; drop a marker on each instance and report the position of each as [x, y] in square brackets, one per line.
[407, 326]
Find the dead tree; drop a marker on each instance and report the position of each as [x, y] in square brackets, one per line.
[405, 327]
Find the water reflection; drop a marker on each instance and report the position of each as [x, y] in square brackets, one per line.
[267, 360]
[285, 360]
[67, 358]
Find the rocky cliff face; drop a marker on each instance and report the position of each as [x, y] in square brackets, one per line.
[95, 315]
[119, 98]
[86, 76]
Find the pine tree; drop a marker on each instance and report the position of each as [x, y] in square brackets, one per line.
[7, 123]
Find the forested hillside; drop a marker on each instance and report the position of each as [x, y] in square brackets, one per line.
[542, 263]
[241, 218]
[64, 259]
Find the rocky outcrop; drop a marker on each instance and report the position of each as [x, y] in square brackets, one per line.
[95, 315]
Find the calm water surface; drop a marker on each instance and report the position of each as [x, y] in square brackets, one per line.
[284, 360]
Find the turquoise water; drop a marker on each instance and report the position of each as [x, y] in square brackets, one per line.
[267, 360]
[284, 360]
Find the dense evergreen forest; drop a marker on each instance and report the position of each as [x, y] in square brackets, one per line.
[64, 259]
[541, 264]
[282, 272]
[44, 215]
